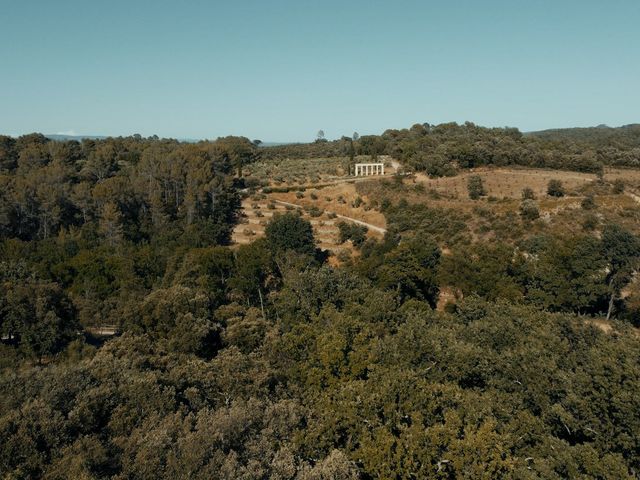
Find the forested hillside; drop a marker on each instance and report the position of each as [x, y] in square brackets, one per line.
[441, 150]
[465, 342]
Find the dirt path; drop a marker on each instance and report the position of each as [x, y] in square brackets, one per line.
[375, 228]
[635, 197]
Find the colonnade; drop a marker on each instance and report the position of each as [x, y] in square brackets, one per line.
[366, 169]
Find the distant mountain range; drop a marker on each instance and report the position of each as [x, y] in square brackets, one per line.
[63, 138]
[576, 133]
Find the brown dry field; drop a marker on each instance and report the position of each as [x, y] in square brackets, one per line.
[328, 199]
[506, 182]
[504, 189]
[255, 215]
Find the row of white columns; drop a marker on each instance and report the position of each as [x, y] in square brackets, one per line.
[366, 169]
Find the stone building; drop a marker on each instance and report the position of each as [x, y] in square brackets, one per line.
[367, 169]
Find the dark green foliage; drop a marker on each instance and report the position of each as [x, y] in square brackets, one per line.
[440, 150]
[618, 186]
[622, 250]
[555, 188]
[260, 361]
[486, 270]
[444, 225]
[527, 194]
[354, 232]
[254, 267]
[127, 188]
[36, 316]
[475, 187]
[410, 271]
[529, 210]
[590, 223]
[289, 231]
[353, 376]
[588, 203]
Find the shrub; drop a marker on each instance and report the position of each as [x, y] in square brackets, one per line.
[588, 203]
[590, 223]
[529, 210]
[354, 232]
[299, 195]
[618, 186]
[290, 232]
[315, 211]
[527, 194]
[475, 187]
[344, 256]
[555, 188]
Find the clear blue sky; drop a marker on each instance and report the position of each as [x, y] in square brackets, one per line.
[280, 70]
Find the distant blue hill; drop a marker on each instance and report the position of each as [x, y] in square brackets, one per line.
[63, 138]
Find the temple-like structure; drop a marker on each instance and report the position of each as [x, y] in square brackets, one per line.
[367, 169]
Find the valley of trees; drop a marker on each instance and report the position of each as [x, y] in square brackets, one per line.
[266, 360]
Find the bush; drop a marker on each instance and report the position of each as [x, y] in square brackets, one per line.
[590, 223]
[344, 256]
[290, 232]
[354, 232]
[588, 203]
[618, 186]
[315, 211]
[299, 195]
[527, 194]
[475, 187]
[555, 188]
[529, 210]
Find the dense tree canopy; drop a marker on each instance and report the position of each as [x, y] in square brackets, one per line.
[440, 150]
[431, 352]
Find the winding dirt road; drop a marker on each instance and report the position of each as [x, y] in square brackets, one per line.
[375, 228]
